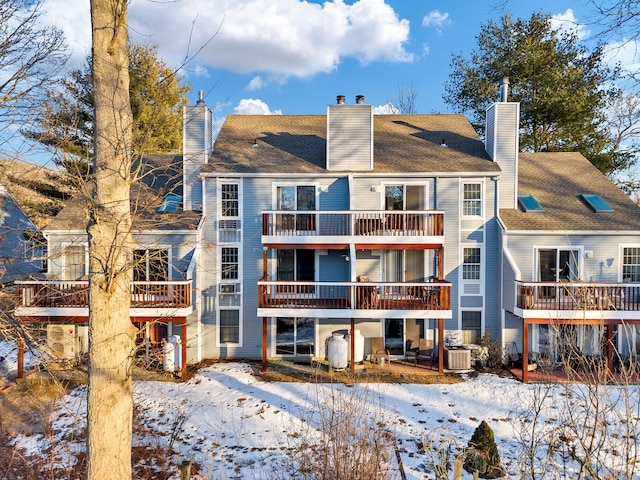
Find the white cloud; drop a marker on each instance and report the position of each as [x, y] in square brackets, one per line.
[568, 21]
[275, 37]
[254, 106]
[436, 19]
[72, 16]
[386, 109]
[625, 53]
[256, 83]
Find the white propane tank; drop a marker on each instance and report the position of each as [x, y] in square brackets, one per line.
[177, 352]
[358, 349]
[337, 351]
[168, 357]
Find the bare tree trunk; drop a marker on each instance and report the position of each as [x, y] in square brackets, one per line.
[111, 333]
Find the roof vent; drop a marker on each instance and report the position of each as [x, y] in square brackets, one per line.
[340, 99]
[200, 97]
[359, 99]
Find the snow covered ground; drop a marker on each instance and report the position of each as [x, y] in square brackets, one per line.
[235, 426]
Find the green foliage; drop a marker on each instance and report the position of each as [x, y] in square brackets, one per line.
[157, 97]
[483, 453]
[156, 93]
[563, 89]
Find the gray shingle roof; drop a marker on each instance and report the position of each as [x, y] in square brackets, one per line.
[557, 180]
[297, 144]
[159, 175]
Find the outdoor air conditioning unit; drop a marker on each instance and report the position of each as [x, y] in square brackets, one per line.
[62, 341]
[229, 224]
[228, 288]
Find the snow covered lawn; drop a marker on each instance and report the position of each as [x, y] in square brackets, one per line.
[235, 426]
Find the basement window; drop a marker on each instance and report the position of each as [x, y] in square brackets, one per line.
[528, 203]
[596, 203]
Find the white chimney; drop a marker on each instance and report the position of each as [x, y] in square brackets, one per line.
[350, 136]
[197, 144]
[503, 144]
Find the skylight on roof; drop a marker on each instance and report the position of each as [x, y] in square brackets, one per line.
[528, 203]
[596, 202]
[171, 203]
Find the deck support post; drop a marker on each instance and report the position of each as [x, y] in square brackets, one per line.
[352, 341]
[441, 345]
[609, 347]
[264, 344]
[183, 337]
[525, 352]
[20, 358]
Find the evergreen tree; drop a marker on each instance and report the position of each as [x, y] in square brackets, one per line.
[563, 89]
[156, 93]
[483, 453]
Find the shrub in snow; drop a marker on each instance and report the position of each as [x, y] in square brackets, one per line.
[482, 455]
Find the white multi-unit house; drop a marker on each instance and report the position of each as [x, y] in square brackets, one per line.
[402, 229]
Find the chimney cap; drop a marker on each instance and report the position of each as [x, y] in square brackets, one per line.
[340, 99]
[359, 99]
[504, 89]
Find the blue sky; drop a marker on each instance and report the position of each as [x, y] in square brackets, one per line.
[294, 57]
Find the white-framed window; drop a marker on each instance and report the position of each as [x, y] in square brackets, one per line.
[229, 330]
[75, 262]
[230, 200]
[471, 326]
[471, 263]
[295, 336]
[406, 196]
[151, 264]
[559, 264]
[296, 197]
[472, 199]
[229, 263]
[631, 264]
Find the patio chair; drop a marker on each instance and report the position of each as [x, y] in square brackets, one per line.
[425, 351]
[378, 352]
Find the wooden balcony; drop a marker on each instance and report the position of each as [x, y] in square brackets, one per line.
[349, 226]
[355, 299]
[56, 294]
[615, 298]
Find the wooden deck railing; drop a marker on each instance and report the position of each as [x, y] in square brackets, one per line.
[74, 294]
[337, 223]
[578, 296]
[355, 295]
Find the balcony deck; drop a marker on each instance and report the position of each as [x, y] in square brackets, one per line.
[354, 299]
[364, 228]
[589, 299]
[57, 298]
